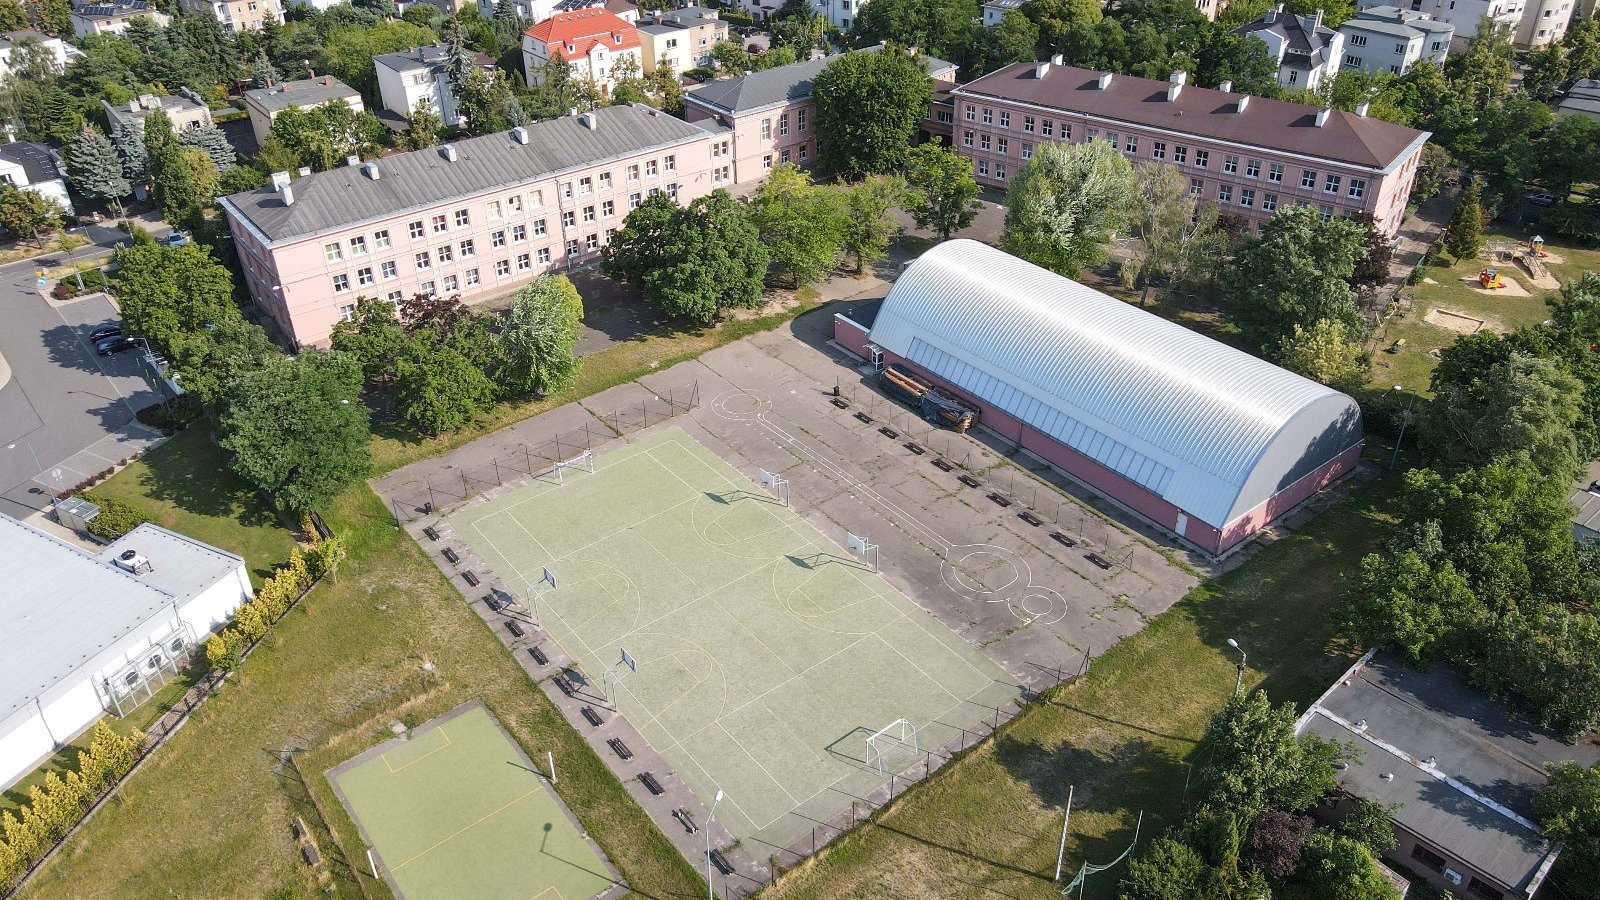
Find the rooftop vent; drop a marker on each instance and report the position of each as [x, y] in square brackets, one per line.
[1322, 116]
[279, 179]
[589, 121]
[1244, 101]
[1387, 776]
[371, 171]
[135, 562]
[1226, 87]
[1362, 107]
[1058, 60]
[1361, 724]
[1179, 77]
[1430, 762]
[448, 151]
[286, 194]
[352, 160]
[1040, 69]
[519, 134]
[1105, 81]
[304, 171]
[1173, 90]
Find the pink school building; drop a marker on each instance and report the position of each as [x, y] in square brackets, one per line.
[1248, 154]
[771, 113]
[475, 218]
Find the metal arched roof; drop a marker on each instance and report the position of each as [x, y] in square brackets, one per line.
[1210, 429]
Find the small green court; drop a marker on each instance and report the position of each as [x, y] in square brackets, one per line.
[766, 654]
[458, 811]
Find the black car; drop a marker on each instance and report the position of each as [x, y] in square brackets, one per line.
[103, 332]
[116, 344]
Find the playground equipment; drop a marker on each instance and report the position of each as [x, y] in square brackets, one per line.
[1536, 247]
[935, 405]
[1490, 279]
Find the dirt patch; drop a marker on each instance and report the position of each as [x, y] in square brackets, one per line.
[1429, 281]
[1512, 287]
[1461, 323]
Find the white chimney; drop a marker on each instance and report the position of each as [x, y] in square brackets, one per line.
[589, 121]
[1057, 60]
[352, 160]
[1226, 87]
[1105, 81]
[1362, 107]
[304, 171]
[519, 134]
[1244, 101]
[279, 179]
[1179, 77]
[1173, 90]
[371, 171]
[448, 151]
[1322, 116]
[1040, 69]
[135, 562]
[286, 194]
[572, 111]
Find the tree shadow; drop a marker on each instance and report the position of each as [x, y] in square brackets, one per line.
[69, 348]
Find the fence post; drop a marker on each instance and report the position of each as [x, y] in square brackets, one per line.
[527, 457]
[498, 480]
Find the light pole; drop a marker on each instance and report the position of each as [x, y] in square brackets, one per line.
[1238, 684]
[1405, 419]
[711, 889]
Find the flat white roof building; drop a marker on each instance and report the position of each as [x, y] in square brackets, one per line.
[84, 634]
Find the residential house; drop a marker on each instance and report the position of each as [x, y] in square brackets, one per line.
[680, 38]
[1582, 100]
[1463, 15]
[1387, 39]
[1249, 155]
[1306, 51]
[409, 77]
[475, 219]
[1543, 22]
[185, 109]
[36, 167]
[238, 15]
[760, 9]
[60, 51]
[264, 104]
[591, 42]
[539, 10]
[772, 115]
[1585, 502]
[994, 11]
[1456, 770]
[841, 14]
[90, 19]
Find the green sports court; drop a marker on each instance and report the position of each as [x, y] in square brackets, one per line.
[766, 654]
[457, 810]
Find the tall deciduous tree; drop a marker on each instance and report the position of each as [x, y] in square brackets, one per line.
[437, 388]
[801, 224]
[1176, 231]
[297, 428]
[869, 106]
[1296, 273]
[95, 169]
[535, 346]
[1325, 352]
[869, 219]
[1522, 407]
[941, 193]
[1567, 808]
[25, 212]
[696, 262]
[1066, 203]
[166, 292]
[1254, 760]
[940, 27]
[424, 128]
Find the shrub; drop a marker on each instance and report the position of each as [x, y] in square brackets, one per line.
[174, 415]
[55, 806]
[116, 518]
[325, 557]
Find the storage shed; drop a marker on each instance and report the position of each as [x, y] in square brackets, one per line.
[1202, 439]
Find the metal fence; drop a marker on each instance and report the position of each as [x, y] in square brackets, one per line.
[454, 485]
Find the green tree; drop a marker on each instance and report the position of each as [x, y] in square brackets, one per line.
[12, 16]
[436, 387]
[869, 107]
[373, 336]
[129, 141]
[346, 51]
[869, 219]
[1013, 40]
[1571, 155]
[1296, 273]
[731, 58]
[1177, 232]
[1567, 808]
[297, 428]
[1413, 598]
[940, 27]
[535, 346]
[208, 360]
[1522, 407]
[52, 17]
[482, 99]
[1336, 867]
[695, 262]
[1065, 205]
[802, 225]
[325, 136]
[95, 170]
[167, 292]
[210, 140]
[1254, 760]
[1546, 72]
[1483, 72]
[1370, 823]
[423, 130]
[1324, 352]
[203, 175]
[1168, 870]
[1463, 237]
[25, 212]
[941, 193]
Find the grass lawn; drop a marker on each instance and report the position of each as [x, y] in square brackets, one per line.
[989, 825]
[185, 485]
[1500, 311]
[210, 814]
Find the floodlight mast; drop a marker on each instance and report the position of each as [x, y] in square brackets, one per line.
[711, 890]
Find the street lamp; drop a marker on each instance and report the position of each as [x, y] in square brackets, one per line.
[1405, 419]
[711, 889]
[1238, 684]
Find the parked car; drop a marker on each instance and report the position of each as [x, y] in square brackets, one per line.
[113, 345]
[103, 332]
[175, 239]
[1542, 199]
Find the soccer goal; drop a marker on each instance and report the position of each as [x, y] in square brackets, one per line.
[776, 484]
[900, 732]
[583, 461]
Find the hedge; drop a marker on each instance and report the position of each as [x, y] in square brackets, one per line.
[116, 518]
[226, 648]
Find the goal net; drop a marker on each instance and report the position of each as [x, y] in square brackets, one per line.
[898, 739]
[583, 461]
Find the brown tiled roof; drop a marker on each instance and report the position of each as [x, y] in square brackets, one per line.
[1269, 124]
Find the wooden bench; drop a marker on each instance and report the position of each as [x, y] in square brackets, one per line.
[651, 784]
[1099, 560]
[450, 555]
[538, 656]
[888, 432]
[515, 627]
[469, 578]
[309, 851]
[721, 862]
[299, 828]
[840, 402]
[915, 448]
[864, 418]
[619, 748]
[1063, 540]
[1030, 518]
[564, 685]
[1000, 498]
[590, 716]
[684, 819]
[432, 534]
[941, 464]
[969, 481]
[491, 601]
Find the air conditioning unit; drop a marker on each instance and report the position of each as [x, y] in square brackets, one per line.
[1452, 876]
[134, 561]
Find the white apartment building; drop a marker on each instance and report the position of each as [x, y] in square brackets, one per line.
[409, 77]
[1388, 39]
[238, 15]
[1307, 52]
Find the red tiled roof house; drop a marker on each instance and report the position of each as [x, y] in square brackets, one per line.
[592, 41]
